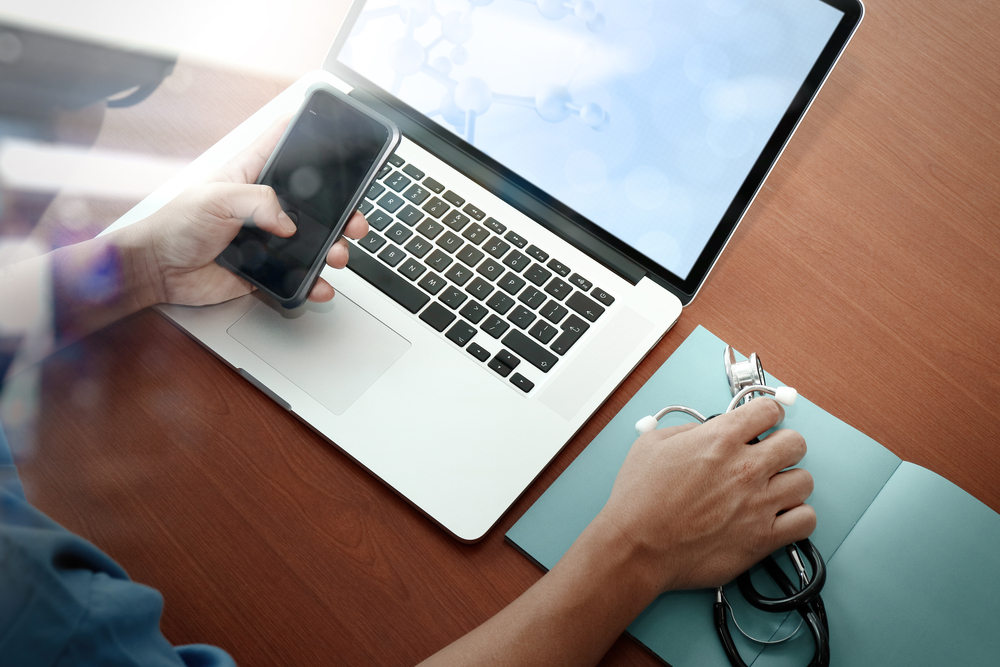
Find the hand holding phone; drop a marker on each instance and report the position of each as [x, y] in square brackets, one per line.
[322, 166]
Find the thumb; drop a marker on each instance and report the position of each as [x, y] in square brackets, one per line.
[255, 205]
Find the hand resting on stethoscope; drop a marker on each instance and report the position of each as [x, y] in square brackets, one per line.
[745, 380]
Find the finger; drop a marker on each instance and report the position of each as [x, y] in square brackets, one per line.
[338, 255]
[790, 489]
[671, 431]
[796, 524]
[255, 202]
[321, 292]
[357, 227]
[782, 449]
[246, 166]
[747, 421]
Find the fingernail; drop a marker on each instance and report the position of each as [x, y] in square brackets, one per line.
[286, 222]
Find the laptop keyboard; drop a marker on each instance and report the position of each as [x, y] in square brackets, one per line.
[467, 276]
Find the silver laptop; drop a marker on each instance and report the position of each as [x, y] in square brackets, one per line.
[570, 172]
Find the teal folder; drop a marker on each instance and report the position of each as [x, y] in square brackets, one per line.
[913, 561]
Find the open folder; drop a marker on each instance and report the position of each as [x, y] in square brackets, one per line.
[913, 561]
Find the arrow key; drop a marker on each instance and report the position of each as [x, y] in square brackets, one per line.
[585, 306]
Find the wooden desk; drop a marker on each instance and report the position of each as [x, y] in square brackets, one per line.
[866, 275]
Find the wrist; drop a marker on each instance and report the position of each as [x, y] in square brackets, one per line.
[612, 559]
[141, 278]
[101, 280]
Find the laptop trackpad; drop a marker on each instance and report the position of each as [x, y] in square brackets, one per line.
[332, 351]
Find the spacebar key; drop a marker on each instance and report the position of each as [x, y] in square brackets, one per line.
[395, 286]
[533, 353]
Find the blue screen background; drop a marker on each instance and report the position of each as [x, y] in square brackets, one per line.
[643, 116]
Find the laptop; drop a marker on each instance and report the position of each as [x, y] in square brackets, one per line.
[570, 170]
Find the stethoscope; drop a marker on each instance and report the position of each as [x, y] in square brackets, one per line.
[746, 378]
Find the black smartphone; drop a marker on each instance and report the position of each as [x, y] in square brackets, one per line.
[322, 166]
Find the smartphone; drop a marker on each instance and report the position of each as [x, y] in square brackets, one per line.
[321, 168]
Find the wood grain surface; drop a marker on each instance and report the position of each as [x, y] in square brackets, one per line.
[865, 274]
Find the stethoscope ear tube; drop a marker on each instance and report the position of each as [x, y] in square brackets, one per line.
[722, 628]
[794, 598]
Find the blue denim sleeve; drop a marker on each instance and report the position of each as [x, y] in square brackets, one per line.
[64, 602]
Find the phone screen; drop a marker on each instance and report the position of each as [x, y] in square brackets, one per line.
[319, 167]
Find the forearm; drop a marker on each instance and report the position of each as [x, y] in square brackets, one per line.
[99, 281]
[569, 617]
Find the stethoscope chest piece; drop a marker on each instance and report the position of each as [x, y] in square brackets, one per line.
[742, 374]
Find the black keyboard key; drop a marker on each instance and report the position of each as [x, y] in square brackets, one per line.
[375, 191]
[553, 312]
[452, 198]
[558, 267]
[436, 187]
[439, 261]
[507, 359]
[437, 316]
[452, 297]
[395, 286]
[386, 168]
[494, 326]
[500, 367]
[430, 228]
[432, 283]
[495, 225]
[450, 242]
[396, 160]
[391, 202]
[412, 269]
[511, 283]
[365, 207]
[461, 333]
[474, 212]
[411, 215]
[536, 252]
[572, 329]
[410, 170]
[435, 207]
[470, 255]
[392, 255]
[474, 311]
[459, 274]
[558, 289]
[581, 282]
[522, 317]
[532, 297]
[475, 234]
[399, 233]
[602, 296]
[455, 220]
[491, 269]
[537, 275]
[496, 247]
[516, 261]
[543, 331]
[517, 240]
[417, 193]
[530, 351]
[478, 351]
[418, 246]
[372, 242]
[379, 220]
[479, 288]
[521, 382]
[397, 181]
[501, 303]
[585, 306]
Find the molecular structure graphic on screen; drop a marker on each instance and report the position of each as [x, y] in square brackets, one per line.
[470, 97]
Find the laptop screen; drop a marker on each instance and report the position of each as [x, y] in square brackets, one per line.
[645, 117]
